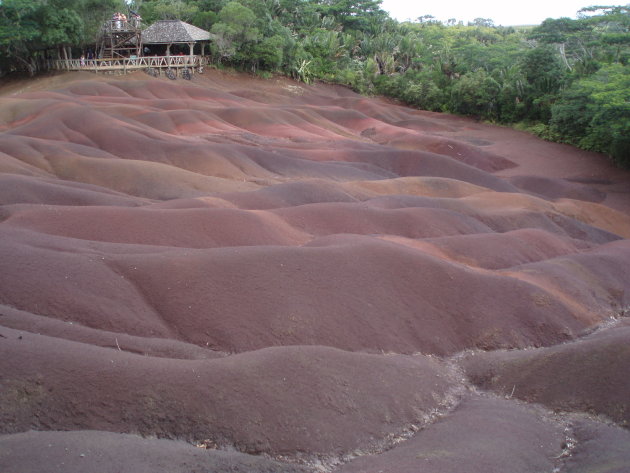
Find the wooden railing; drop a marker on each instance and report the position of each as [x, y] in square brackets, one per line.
[131, 63]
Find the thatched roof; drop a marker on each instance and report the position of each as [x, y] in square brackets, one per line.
[173, 31]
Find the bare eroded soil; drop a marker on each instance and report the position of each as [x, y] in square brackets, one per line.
[232, 274]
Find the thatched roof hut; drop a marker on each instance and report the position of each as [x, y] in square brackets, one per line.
[171, 32]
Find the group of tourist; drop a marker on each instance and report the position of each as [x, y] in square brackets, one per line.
[119, 20]
[89, 60]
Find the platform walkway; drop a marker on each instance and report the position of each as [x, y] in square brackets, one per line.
[124, 65]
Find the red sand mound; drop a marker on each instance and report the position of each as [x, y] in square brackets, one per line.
[358, 294]
[205, 228]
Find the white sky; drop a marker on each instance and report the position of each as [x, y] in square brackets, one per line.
[506, 13]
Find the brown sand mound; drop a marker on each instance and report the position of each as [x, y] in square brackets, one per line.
[510, 211]
[16, 189]
[405, 163]
[506, 212]
[135, 177]
[588, 375]
[156, 347]
[334, 218]
[462, 152]
[291, 194]
[313, 400]
[505, 250]
[82, 451]
[596, 215]
[594, 280]
[428, 186]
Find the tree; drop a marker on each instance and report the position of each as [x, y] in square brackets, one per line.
[235, 31]
[594, 113]
[475, 93]
[510, 106]
[352, 14]
[545, 77]
[270, 52]
[59, 26]
[169, 10]
[485, 22]
[18, 29]
[574, 40]
[29, 28]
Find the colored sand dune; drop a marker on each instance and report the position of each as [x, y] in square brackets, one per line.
[298, 278]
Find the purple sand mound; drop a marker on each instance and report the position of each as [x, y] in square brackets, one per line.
[480, 436]
[313, 400]
[557, 188]
[589, 375]
[599, 447]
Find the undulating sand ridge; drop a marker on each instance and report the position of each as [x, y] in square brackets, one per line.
[236, 274]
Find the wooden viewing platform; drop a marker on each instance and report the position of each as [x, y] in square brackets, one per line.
[125, 65]
[122, 46]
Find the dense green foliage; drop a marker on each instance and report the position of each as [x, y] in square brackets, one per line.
[31, 29]
[566, 79]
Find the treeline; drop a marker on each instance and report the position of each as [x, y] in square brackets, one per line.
[566, 80]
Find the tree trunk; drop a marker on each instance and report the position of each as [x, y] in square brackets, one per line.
[564, 56]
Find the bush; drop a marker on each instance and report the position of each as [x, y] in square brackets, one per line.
[594, 113]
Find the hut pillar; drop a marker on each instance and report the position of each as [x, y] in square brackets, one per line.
[168, 49]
